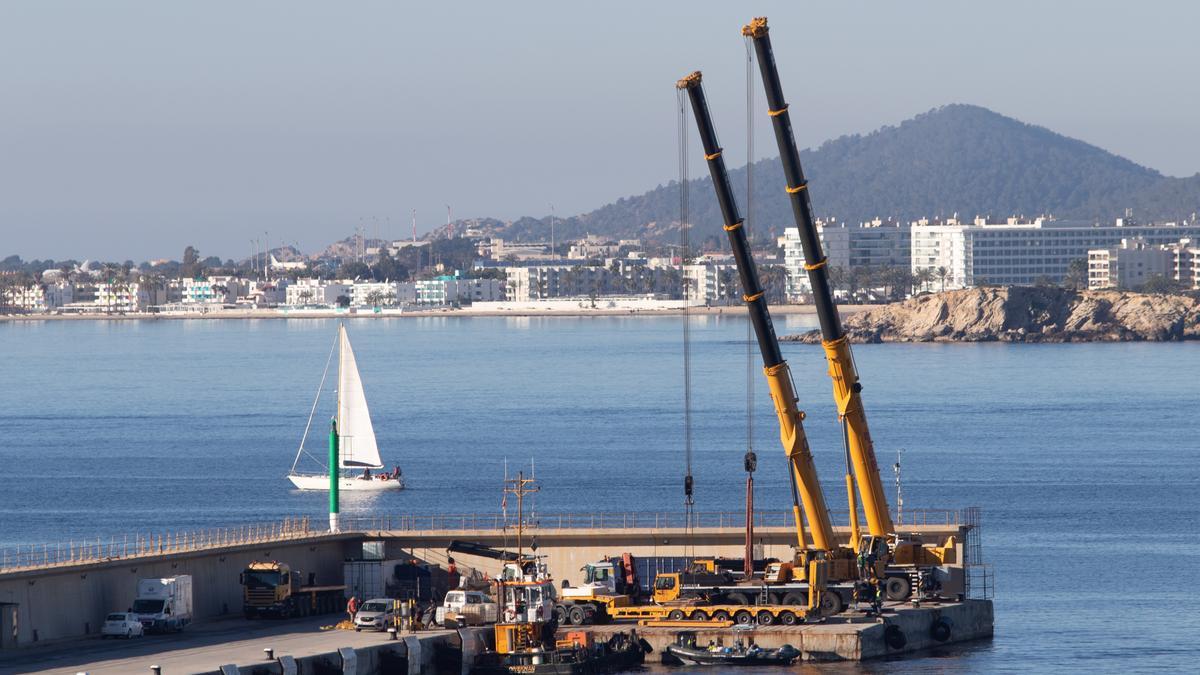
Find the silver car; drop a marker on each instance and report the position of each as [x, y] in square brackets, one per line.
[121, 624]
[378, 614]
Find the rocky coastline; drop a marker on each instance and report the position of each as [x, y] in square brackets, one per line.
[1026, 314]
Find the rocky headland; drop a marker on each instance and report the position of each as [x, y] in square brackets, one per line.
[1026, 314]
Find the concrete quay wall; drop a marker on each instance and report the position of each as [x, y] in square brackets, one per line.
[70, 601]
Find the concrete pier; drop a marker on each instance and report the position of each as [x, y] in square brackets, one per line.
[50, 603]
[848, 636]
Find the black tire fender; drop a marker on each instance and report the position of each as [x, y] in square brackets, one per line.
[894, 637]
[941, 629]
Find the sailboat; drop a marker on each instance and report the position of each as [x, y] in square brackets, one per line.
[357, 453]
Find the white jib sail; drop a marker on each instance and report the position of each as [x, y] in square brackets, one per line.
[357, 437]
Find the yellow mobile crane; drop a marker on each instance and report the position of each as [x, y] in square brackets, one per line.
[873, 548]
[827, 560]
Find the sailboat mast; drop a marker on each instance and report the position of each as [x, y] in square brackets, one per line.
[334, 430]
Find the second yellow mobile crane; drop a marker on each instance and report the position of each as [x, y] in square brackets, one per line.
[827, 559]
[879, 547]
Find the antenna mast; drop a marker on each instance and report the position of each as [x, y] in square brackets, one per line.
[520, 486]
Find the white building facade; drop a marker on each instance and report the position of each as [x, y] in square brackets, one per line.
[1023, 253]
[879, 243]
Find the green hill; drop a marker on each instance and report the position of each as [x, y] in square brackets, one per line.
[960, 159]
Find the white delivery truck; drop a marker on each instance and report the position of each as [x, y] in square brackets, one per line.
[164, 605]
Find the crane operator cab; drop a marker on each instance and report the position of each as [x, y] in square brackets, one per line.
[873, 557]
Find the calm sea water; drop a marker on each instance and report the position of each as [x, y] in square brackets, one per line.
[1084, 458]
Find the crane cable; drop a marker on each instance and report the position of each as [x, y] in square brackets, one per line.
[688, 499]
[750, 461]
[746, 226]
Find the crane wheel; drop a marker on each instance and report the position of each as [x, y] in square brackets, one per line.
[577, 616]
[699, 615]
[676, 615]
[788, 618]
[776, 598]
[794, 598]
[940, 630]
[897, 588]
[765, 618]
[720, 615]
[738, 599]
[831, 603]
[894, 637]
[743, 617]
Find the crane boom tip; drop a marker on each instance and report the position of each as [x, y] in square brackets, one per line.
[692, 80]
[756, 28]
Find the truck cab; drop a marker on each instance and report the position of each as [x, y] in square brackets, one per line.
[599, 579]
[266, 588]
[164, 605]
[666, 588]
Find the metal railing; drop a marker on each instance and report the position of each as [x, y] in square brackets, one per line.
[980, 580]
[137, 545]
[142, 544]
[611, 521]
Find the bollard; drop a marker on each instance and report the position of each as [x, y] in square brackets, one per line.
[392, 633]
[270, 653]
[156, 669]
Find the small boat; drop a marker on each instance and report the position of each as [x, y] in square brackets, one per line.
[357, 451]
[687, 652]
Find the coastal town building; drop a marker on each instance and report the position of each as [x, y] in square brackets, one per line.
[222, 290]
[119, 297]
[713, 283]
[23, 298]
[449, 290]
[1022, 252]
[592, 247]
[309, 292]
[1135, 262]
[878, 243]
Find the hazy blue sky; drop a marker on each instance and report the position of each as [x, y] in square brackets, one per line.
[131, 129]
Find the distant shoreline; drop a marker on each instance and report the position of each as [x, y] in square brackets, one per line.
[224, 315]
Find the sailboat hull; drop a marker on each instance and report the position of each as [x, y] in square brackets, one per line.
[321, 482]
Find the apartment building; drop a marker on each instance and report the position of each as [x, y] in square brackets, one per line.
[878, 243]
[1135, 262]
[1024, 252]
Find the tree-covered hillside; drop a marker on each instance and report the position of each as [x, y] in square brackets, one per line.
[955, 159]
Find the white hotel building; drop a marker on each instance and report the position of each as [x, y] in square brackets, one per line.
[879, 243]
[1018, 252]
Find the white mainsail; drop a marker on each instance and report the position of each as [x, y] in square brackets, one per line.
[356, 435]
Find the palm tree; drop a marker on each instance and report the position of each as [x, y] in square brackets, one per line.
[924, 277]
[942, 274]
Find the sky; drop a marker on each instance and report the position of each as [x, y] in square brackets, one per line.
[129, 130]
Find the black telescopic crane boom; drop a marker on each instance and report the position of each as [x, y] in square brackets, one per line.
[846, 387]
[791, 427]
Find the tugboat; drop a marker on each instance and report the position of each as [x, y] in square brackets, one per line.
[685, 651]
[526, 632]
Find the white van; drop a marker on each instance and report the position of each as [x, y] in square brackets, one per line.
[473, 606]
